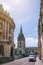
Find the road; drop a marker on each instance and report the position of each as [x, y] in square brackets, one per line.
[23, 61]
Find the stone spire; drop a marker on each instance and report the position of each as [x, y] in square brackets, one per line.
[21, 30]
[21, 42]
[21, 35]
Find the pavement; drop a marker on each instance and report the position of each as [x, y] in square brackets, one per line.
[24, 61]
[38, 61]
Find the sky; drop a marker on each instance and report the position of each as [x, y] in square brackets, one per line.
[25, 13]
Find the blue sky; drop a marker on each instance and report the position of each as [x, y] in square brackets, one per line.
[25, 13]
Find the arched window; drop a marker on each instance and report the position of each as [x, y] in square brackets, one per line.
[1, 50]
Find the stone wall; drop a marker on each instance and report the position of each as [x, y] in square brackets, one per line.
[6, 59]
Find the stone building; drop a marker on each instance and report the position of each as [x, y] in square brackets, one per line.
[22, 50]
[40, 32]
[31, 49]
[7, 27]
[21, 42]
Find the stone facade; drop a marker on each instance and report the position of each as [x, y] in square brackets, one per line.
[40, 32]
[33, 49]
[7, 27]
[21, 42]
[22, 50]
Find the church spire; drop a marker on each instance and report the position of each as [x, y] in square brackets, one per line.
[21, 35]
[21, 30]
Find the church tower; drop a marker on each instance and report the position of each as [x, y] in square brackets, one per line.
[21, 42]
[40, 32]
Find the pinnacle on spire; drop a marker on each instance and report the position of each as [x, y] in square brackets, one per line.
[21, 35]
[20, 29]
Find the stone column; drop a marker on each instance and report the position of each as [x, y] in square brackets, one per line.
[1, 29]
[8, 31]
[5, 29]
[12, 34]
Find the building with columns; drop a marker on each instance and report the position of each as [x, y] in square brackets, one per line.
[7, 27]
[40, 32]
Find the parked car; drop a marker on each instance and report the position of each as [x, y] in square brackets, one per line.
[32, 53]
[32, 58]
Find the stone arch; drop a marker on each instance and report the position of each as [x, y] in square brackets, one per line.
[11, 51]
[1, 50]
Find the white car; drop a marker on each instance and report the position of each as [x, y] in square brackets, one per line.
[32, 58]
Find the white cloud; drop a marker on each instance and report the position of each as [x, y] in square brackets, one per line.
[18, 9]
[6, 6]
[31, 42]
[21, 13]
